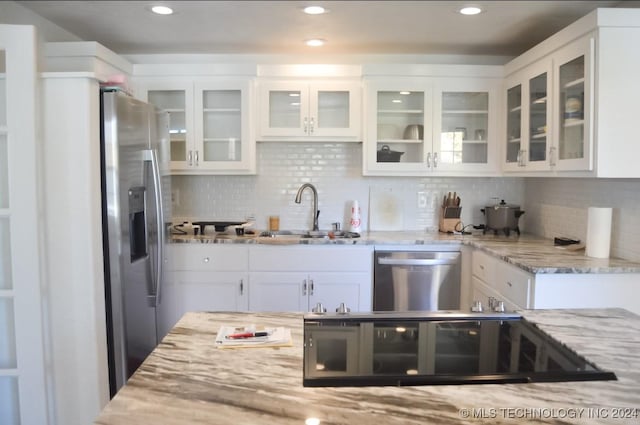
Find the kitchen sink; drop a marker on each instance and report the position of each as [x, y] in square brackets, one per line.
[284, 236]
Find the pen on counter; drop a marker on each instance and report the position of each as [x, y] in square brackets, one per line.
[247, 335]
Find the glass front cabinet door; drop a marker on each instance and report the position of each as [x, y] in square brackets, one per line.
[223, 127]
[464, 131]
[177, 100]
[310, 110]
[573, 68]
[528, 121]
[399, 136]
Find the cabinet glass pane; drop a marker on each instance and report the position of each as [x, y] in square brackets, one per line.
[571, 119]
[7, 335]
[514, 118]
[333, 109]
[173, 101]
[465, 119]
[5, 255]
[538, 118]
[400, 130]
[222, 125]
[9, 406]
[4, 172]
[284, 109]
[457, 348]
[395, 349]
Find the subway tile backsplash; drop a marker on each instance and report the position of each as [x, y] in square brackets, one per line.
[553, 206]
[558, 207]
[335, 169]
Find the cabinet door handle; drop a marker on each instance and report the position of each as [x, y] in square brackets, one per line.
[205, 259]
[310, 287]
[305, 125]
[190, 158]
[241, 286]
[435, 160]
[429, 160]
[304, 287]
[197, 158]
[509, 284]
[311, 123]
[481, 267]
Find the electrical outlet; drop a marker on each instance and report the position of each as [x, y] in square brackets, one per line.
[422, 200]
[175, 197]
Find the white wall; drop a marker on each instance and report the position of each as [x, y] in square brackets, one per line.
[16, 14]
[558, 207]
[335, 169]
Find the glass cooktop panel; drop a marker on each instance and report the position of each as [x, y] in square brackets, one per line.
[419, 351]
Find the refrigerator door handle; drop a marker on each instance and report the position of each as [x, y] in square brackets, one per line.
[152, 156]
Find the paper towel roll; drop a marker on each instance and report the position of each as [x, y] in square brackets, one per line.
[355, 224]
[598, 232]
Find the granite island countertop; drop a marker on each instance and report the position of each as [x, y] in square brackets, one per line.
[187, 380]
[530, 253]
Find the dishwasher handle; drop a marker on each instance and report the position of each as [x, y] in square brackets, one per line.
[415, 262]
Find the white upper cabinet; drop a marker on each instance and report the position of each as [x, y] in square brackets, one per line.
[445, 126]
[307, 111]
[591, 106]
[210, 124]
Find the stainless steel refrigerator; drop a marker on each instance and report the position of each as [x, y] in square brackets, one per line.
[135, 200]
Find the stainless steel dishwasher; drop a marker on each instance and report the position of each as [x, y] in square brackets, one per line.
[416, 280]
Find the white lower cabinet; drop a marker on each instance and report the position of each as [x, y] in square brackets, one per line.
[239, 277]
[203, 277]
[494, 280]
[298, 277]
[282, 291]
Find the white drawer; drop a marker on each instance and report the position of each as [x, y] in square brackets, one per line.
[484, 266]
[208, 257]
[515, 284]
[484, 294]
[306, 258]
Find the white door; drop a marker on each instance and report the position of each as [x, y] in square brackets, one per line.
[22, 379]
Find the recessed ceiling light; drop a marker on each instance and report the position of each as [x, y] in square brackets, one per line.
[396, 101]
[162, 10]
[470, 10]
[315, 42]
[405, 93]
[314, 10]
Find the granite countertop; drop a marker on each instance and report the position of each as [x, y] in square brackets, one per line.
[531, 253]
[186, 380]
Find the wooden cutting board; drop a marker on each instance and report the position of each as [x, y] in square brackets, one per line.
[385, 209]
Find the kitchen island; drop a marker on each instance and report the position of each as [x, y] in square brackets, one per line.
[187, 380]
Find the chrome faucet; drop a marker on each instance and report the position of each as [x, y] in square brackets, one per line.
[315, 210]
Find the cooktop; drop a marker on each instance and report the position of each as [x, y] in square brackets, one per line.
[426, 348]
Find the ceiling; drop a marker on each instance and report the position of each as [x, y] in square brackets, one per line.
[505, 28]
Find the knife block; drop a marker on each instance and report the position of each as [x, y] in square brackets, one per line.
[450, 219]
